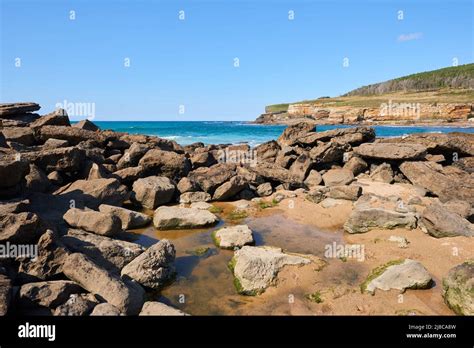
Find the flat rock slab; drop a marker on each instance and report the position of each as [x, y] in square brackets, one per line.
[233, 237]
[409, 274]
[255, 268]
[169, 218]
[93, 221]
[389, 151]
[158, 308]
[47, 294]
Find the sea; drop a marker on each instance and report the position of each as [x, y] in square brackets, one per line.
[235, 132]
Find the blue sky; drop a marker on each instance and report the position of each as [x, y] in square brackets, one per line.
[190, 62]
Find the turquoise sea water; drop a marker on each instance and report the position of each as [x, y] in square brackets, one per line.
[213, 132]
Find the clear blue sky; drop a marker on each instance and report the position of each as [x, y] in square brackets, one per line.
[191, 62]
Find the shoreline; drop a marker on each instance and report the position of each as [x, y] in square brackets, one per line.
[249, 229]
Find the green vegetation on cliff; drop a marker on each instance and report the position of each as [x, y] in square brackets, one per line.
[447, 85]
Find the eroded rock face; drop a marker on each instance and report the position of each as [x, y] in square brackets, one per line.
[153, 191]
[47, 294]
[154, 267]
[233, 237]
[51, 255]
[158, 308]
[19, 228]
[356, 165]
[77, 305]
[293, 132]
[21, 135]
[210, 178]
[440, 222]
[255, 268]
[130, 219]
[86, 125]
[351, 193]
[8, 109]
[447, 183]
[192, 197]
[5, 294]
[73, 135]
[105, 309]
[110, 254]
[11, 172]
[128, 297]
[458, 288]
[93, 221]
[408, 274]
[168, 218]
[61, 159]
[363, 220]
[56, 118]
[387, 151]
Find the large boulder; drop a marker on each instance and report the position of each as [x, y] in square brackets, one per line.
[130, 219]
[440, 222]
[154, 268]
[168, 218]
[77, 305]
[111, 254]
[267, 152]
[48, 294]
[36, 180]
[158, 308]
[387, 151]
[458, 288]
[328, 152]
[132, 155]
[300, 168]
[210, 178]
[351, 193]
[165, 163]
[293, 132]
[337, 177]
[11, 172]
[66, 159]
[382, 173]
[127, 296]
[92, 193]
[408, 274]
[265, 189]
[49, 260]
[255, 268]
[447, 183]
[19, 228]
[233, 237]
[365, 219]
[87, 125]
[192, 197]
[313, 179]
[356, 165]
[93, 221]
[230, 188]
[56, 118]
[21, 135]
[153, 191]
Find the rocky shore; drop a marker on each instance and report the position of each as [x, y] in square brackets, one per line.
[75, 193]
